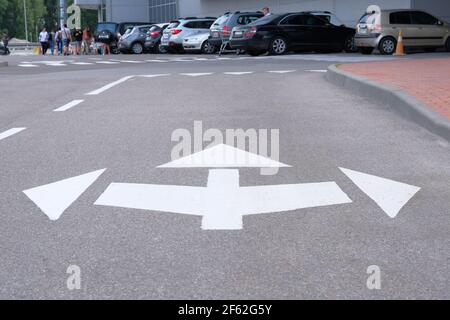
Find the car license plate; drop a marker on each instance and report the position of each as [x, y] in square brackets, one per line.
[165, 36]
[215, 34]
[238, 34]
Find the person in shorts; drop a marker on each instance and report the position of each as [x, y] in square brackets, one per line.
[66, 36]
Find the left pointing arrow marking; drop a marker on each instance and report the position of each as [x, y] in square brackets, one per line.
[54, 198]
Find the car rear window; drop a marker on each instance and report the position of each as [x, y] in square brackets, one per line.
[173, 24]
[243, 20]
[221, 20]
[369, 18]
[154, 28]
[107, 26]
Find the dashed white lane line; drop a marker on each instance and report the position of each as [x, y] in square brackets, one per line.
[281, 71]
[68, 106]
[157, 60]
[154, 75]
[82, 63]
[107, 62]
[28, 65]
[196, 74]
[131, 61]
[238, 73]
[109, 86]
[317, 71]
[10, 132]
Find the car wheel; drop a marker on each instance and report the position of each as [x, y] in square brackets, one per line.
[349, 45]
[137, 48]
[387, 46]
[365, 50]
[208, 48]
[447, 45]
[278, 46]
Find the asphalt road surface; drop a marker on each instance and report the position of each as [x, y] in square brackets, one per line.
[126, 128]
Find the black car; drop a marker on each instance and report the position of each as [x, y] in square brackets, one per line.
[153, 39]
[110, 32]
[281, 33]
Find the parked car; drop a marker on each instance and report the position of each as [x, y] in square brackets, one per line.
[380, 30]
[153, 39]
[333, 19]
[199, 43]
[134, 39]
[281, 33]
[221, 28]
[110, 32]
[177, 30]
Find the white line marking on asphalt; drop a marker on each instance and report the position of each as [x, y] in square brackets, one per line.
[201, 59]
[131, 61]
[154, 75]
[281, 71]
[68, 105]
[28, 66]
[107, 62]
[56, 64]
[54, 198]
[317, 71]
[238, 73]
[390, 195]
[196, 74]
[109, 86]
[82, 63]
[10, 132]
[157, 60]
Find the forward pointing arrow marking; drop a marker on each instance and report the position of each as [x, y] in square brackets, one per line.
[390, 195]
[54, 198]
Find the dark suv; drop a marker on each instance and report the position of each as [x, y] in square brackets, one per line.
[110, 32]
[221, 28]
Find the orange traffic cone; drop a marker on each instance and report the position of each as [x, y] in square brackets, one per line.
[400, 50]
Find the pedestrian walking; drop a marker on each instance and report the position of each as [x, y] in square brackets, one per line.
[87, 41]
[66, 36]
[43, 39]
[78, 36]
[58, 41]
[51, 42]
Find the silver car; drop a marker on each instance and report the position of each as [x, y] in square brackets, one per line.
[199, 43]
[178, 30]
[380, 30]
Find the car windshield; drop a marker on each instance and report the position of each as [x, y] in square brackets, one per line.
[106, 26]
[128, 31]
[264, 20]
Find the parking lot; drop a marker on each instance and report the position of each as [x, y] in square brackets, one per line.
[109, 121]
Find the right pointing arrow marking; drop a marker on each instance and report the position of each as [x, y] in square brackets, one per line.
[390, 195]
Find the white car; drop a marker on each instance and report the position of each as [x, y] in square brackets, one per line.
[199, 42]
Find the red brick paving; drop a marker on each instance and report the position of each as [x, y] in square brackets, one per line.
[428, 80]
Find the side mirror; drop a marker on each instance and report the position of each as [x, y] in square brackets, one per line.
[440, 23]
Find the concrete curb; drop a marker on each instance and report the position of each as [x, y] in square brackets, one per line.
[3, 64]
[399, 101]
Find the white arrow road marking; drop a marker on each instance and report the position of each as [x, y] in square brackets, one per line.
[281, 71]
[69, 105]
[224, 156]
[223, 202]
[10, 132]
[154, 75]
[390, 195]
[238, 73]
[109, 86]
[196, 74]
[54, 198]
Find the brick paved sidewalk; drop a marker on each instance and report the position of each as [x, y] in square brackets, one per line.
[428, 80]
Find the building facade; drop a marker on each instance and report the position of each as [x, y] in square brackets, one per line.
[348, 11]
